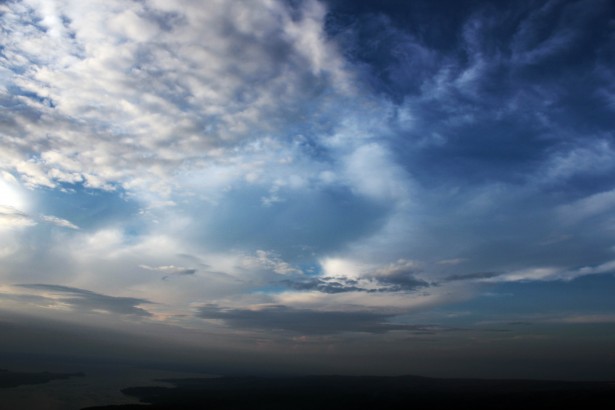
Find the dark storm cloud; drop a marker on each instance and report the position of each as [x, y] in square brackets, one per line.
[304, 321]
[81, 299]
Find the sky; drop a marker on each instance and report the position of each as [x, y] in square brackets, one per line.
[374, 187]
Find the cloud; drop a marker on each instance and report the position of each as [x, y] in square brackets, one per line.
[63, 223]
[85, 300]
[327, 162]
[342, 277]
[390, 184]
[122, 106]
[549, 273]
[170, 270]
[268, 261]
[400, 275]
[303, 321]
[590, 158]
[326, 285]
[586, 319]
[593, 205]
[471, 276]
[11, 217]
[452, 262]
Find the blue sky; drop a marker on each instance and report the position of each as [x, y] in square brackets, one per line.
[326, 175]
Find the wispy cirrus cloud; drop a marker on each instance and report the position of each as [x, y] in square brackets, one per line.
[11, 217]
[63, 223]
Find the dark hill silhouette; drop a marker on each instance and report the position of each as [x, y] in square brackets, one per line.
[343, 392]
[10, 379]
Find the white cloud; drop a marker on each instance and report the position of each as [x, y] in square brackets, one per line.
[529, 274]
[114, 91]
[552, 273]
[586, 319]
[63, 223]
[593, 205]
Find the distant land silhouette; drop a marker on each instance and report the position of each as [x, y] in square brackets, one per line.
[10, 379]
[348, 392]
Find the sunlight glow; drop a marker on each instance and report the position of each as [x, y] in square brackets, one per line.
[10, 194]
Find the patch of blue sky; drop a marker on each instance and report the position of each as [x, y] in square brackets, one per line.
[88, 208]
[18, 91]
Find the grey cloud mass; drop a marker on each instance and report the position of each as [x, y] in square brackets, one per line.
[86, 300]
[12, 217]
